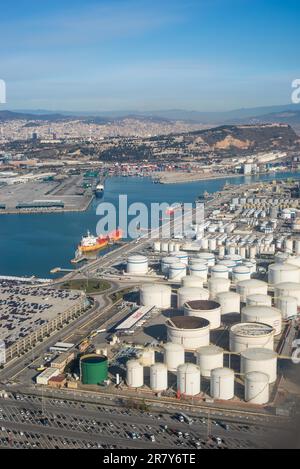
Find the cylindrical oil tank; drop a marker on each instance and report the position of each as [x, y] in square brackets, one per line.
[182, 257]
[288, 306]
[251, 265]
[190, 281]
[228, 263]
[259, 300]
[185, 294]
[156, 246]
[198, 270]
[288, 289]
[147, 356]
[251, 335]
[236, 258]
[218, 285]
[171, 246]
[260, 359]
[230, 302]
[222, 384]
[137, 264]
[206, 309]
[173, 355]
[166, 262]
[251, 287]
[134, 374]
[93, 369]
[281, 257]
[164, 247]
[191, 332]
[257, 388]
[188, 379]
[209, 358]
[209, 257]
[177, 271]
[155, 295]
[265, 315]
[279, 273]
[240, 273]
[212, 244]
[219, 271]
[159, 377]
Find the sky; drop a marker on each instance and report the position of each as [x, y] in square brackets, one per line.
[101, 55]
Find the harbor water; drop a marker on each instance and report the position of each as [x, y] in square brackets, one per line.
[33, 244]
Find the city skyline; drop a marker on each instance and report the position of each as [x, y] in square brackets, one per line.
[119, 55]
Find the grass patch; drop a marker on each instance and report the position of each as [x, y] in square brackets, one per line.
[88, 286]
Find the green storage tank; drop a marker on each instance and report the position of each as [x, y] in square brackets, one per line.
[93, 369]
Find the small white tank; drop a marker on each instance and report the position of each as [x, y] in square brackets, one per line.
[222, 384]
[166, 262]
[257, 388]
[250, 335]
[209, 358]
[264, 315]
[190, 281]
[279, 273]
[259, 300]
[159, 377]
[198, 270]
[212, 244]
[260, 359]
[206, 309]
[228, 263]
[251, 287]
[173, 356]
[230, 302]
[294, 260]
[185, 294]
[137, 264]
[288, 307]
[219, 271]
[155, 295]
[177, 271]
[134, 374]
[164, 246]
[209, 257]
[188, 379]
[156, 246]
[182, 257]
[288, 289]
[240, 273]
[218, 285]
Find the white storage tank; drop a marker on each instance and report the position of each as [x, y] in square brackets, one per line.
[134, 374]
[251, 265]
[265, 315]
[147, 357]
[177, 271]
[219, 271]
[218, 285]
[159, 377]
[288, 289]
[198, 270]
[166, 262]
[156, 295]
[257, 388]
[279, 273]
[188, 379]
[212, 244]
[288, 306]
[206, 309]
[259, 300]
[281, 257]
[251, 287]
[191, 332]
[164, 246]
[137, 264]
[185, 294]
[222, 384]
[294, 260]
[228, 263]
[230, 302]
[190, 281]
[209, 257]
[209, 358]
[182, 257]
[251, 335]
[240, 273]
[173, 356]
[156, 246]
[260, 359]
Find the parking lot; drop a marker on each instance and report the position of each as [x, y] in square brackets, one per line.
[36, 422]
